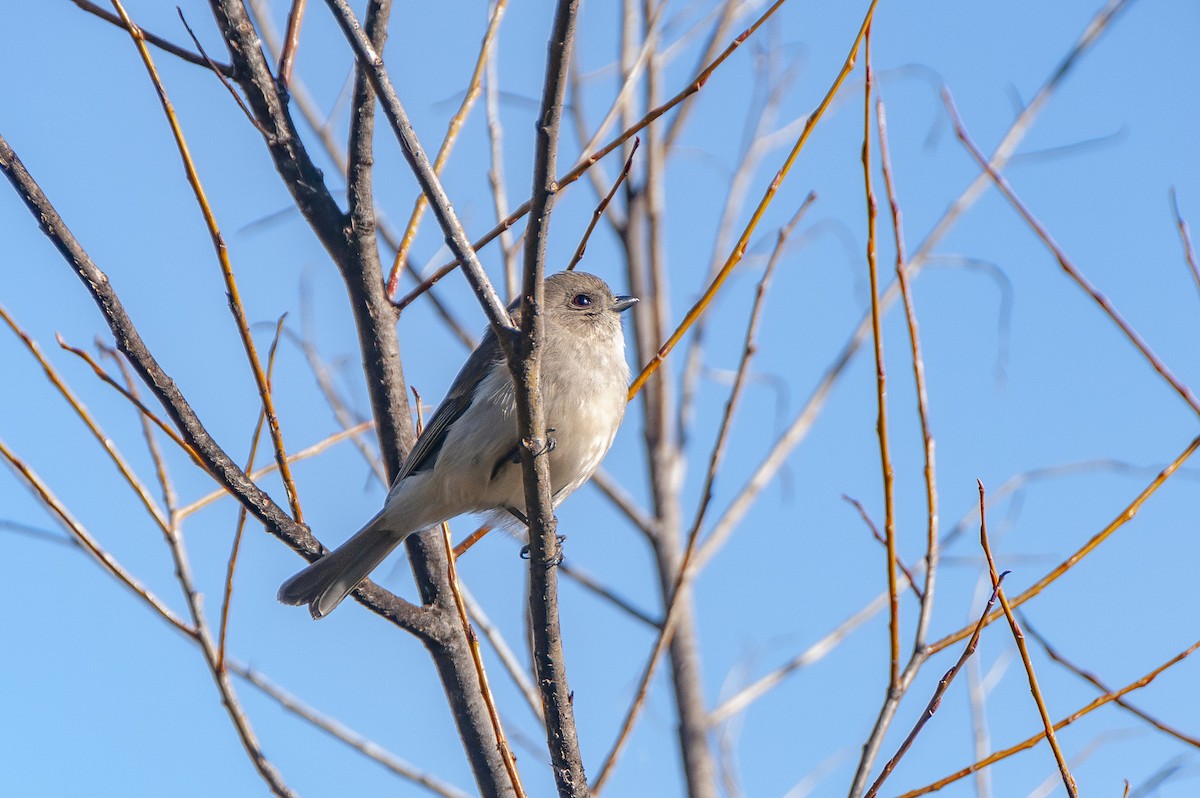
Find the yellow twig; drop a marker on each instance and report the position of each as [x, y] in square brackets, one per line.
[227, 595]
[579, 169]
[918, 361]
[1023, 647]
[312, 451]
[1128, 513]
[235, 302]
[881, 425]
[1067, 721]
[456, 122]
[739, 248]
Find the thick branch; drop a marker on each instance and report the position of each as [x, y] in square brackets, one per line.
[548, 658]
[215, 460]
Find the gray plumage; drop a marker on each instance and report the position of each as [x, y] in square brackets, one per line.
[466, 460]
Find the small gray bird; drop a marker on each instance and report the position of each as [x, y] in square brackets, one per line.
[467, 461]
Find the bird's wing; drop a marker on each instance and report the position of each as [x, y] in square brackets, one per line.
[462, 393]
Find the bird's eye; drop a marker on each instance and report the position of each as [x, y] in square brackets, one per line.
[581, 301]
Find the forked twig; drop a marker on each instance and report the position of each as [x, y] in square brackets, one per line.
[599, 212]
[1067, 779]
[443, 155]
[875, 533]
[739, 248]
[158, 41]
[936, 700]
[1127, 514]
[575, 173]
[918, 361]
[1030, 742]
[222, 252]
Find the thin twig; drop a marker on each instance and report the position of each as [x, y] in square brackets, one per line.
[89, 421]
[1067, 266]
[592, 585]
[146, 412]
[1185, 236]
[936, 700]
[683, 575]
[291, 43]
[90, 544]
[1030, 742]
[495, 134]
[599, 212]
[875, 533]
[222, 252]
[1067, 779]
[237, 98]
[506, 754]
[372, 65]
[359, 743]
[174, 536]
[918, 361]
[575, 173]
[881, 422]
[158, 41]
[312, 451]
[802, 423]
[739, 248]
[1092, 679]
[443, 155]
[517, 671]
[738, 702]
[240, 526]
[1126, 515]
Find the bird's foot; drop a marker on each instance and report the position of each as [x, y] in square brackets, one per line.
[558, 554]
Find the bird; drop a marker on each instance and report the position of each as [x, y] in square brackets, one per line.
[466, 460]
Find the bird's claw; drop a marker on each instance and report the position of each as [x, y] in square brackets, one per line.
[554, 561]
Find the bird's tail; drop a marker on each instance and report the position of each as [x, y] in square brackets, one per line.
[324, 583]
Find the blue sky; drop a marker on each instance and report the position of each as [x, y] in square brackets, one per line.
[102, 698]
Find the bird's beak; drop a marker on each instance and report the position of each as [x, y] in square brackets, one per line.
[624, 303]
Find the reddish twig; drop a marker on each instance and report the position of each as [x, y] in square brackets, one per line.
[1063, 261]
[291, 43]
[1185, 235]
[739, 248]
[875, 533]
[579, 169]
[599, 212]
[936, 700]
